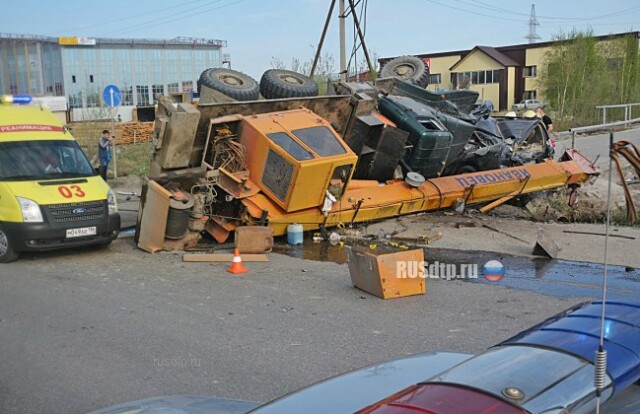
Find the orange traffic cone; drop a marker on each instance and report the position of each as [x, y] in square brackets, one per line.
[236, 265]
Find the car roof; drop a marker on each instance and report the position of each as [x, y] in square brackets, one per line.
[29, 123]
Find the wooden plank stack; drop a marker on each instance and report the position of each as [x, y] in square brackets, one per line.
[133, 132]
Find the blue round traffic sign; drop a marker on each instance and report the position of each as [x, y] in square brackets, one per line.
[112, 96]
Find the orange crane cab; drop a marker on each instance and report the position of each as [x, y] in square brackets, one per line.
[296, 158]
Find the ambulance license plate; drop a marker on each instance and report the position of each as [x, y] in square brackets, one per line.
[81, 232]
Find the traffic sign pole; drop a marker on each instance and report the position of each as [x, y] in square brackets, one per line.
[115, 156]
[112, 96]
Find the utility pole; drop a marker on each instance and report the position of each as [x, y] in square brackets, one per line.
[324, 33]
[533, 22]
[343, 48]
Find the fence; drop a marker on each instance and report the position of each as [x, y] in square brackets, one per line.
[604, 126]
[627, 110]
[600, 127]
[132, 150]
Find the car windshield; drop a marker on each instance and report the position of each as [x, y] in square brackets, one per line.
[517, 129]
[38, 160]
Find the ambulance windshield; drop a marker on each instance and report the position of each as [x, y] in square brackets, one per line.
[41, 160]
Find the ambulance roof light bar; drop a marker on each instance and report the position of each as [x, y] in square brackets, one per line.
[16, 99]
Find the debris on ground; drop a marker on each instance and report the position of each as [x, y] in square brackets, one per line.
[387, 273]
[553, 206]
[423, 239]
[222, 257]
[545, 245]
[253, 239]
[592, 233]
[504, 232]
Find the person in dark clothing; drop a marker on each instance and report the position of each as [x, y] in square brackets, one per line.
[104, 153]
[545, 119]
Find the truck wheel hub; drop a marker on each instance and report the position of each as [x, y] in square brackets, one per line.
[4, 243]
[292, 80]
[405, 70]
[231, 80]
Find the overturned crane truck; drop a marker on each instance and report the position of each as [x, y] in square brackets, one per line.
[276, 162]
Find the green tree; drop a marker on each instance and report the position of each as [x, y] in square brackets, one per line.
[630, 76]
[581, 72]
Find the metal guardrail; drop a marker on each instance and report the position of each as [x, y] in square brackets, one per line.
[627, 110]
[600, 127]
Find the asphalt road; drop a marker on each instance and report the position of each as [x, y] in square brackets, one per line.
[88, 329]
[596, 147]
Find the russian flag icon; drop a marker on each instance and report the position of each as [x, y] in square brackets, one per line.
[493, 271]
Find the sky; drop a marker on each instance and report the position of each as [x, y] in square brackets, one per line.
[257, 31]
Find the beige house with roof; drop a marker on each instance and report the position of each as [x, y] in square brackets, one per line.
[504, 75]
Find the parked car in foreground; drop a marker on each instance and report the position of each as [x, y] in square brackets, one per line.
[549, 368]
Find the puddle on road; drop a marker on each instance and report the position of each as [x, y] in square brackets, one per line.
[310, 250]
[561, 278]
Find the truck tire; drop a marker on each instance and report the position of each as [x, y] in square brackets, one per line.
[232, 83]
[407, 68]
[7, 254]
[280, 83]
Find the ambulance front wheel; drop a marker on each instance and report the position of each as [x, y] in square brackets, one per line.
[7, 254]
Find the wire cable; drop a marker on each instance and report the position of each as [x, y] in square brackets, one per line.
[356, 41]
[513, 13]
[121, 19]
[172, 19]
[476, 13]
[576, 19]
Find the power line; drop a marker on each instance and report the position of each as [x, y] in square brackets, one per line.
[632, 24]
[576, 19]
[162, 20]
[120, 19]
[488, 7]
[356, 41]
[476, 13]
[560, 20]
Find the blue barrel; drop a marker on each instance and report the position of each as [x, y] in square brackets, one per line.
[294, 234]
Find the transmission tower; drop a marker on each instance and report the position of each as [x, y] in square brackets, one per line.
[533, 22]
